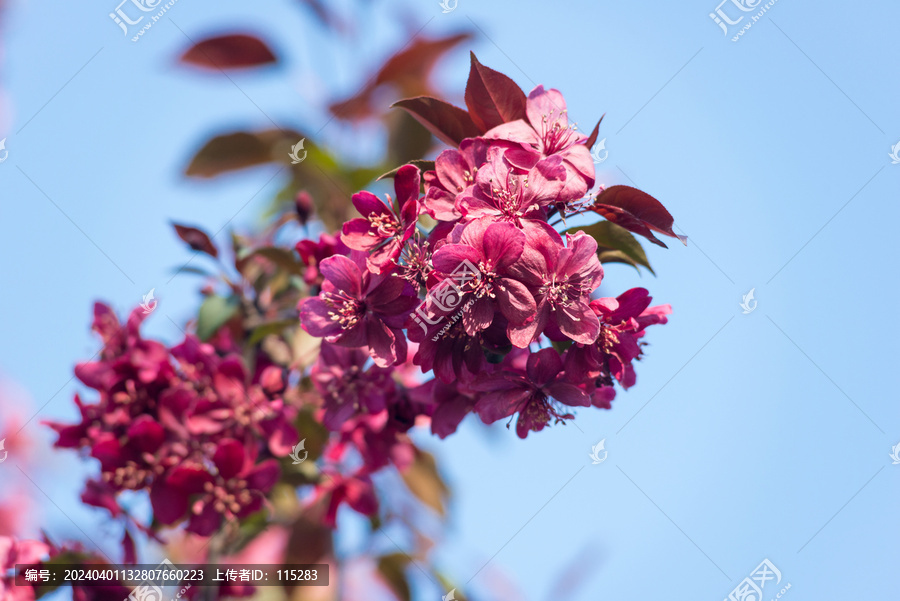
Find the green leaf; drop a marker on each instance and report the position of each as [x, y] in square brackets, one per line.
[423, 165]
[425, 482]
[240, 150]
[393, 569]
[617, 245]
[281, 257]
[214, 313]
[272, 327]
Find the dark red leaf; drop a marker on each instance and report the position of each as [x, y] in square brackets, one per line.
[492, 98]
[196, 239]
[408, 71]
[129, 554]
[636, 211]
[594, 134]
[234, 51]
[449, 123]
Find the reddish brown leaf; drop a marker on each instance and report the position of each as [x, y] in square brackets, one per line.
[636, 211]
[449, 123]
[196, 239]
[594, 134]
[309, 541]
[408, 70]
[492, 98]
[235, 51]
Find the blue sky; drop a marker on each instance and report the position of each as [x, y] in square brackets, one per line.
[755, 436]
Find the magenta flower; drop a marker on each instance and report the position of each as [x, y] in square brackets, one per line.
[18, 551]
[347, 387]
[453, 354]
[382, 230]
[236, 489]
[356, 491]
[622, 323]
[528, 392]
[312, 253]
[492, 248]
[453, 175]
[357, 308]
[562, 279]
[547, 133]
[504, 193]
[453, 402]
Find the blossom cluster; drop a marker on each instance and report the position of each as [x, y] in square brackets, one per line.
[492, 300]
[190, 424]
[462, 293]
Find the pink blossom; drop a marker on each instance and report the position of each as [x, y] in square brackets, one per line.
[357, 308]
[547, 133]
[504, 193]
[382, 230]
[622, 323]
[530, 392]
[347, 387]
[492, 248]
[562, 279]
[453, 175]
